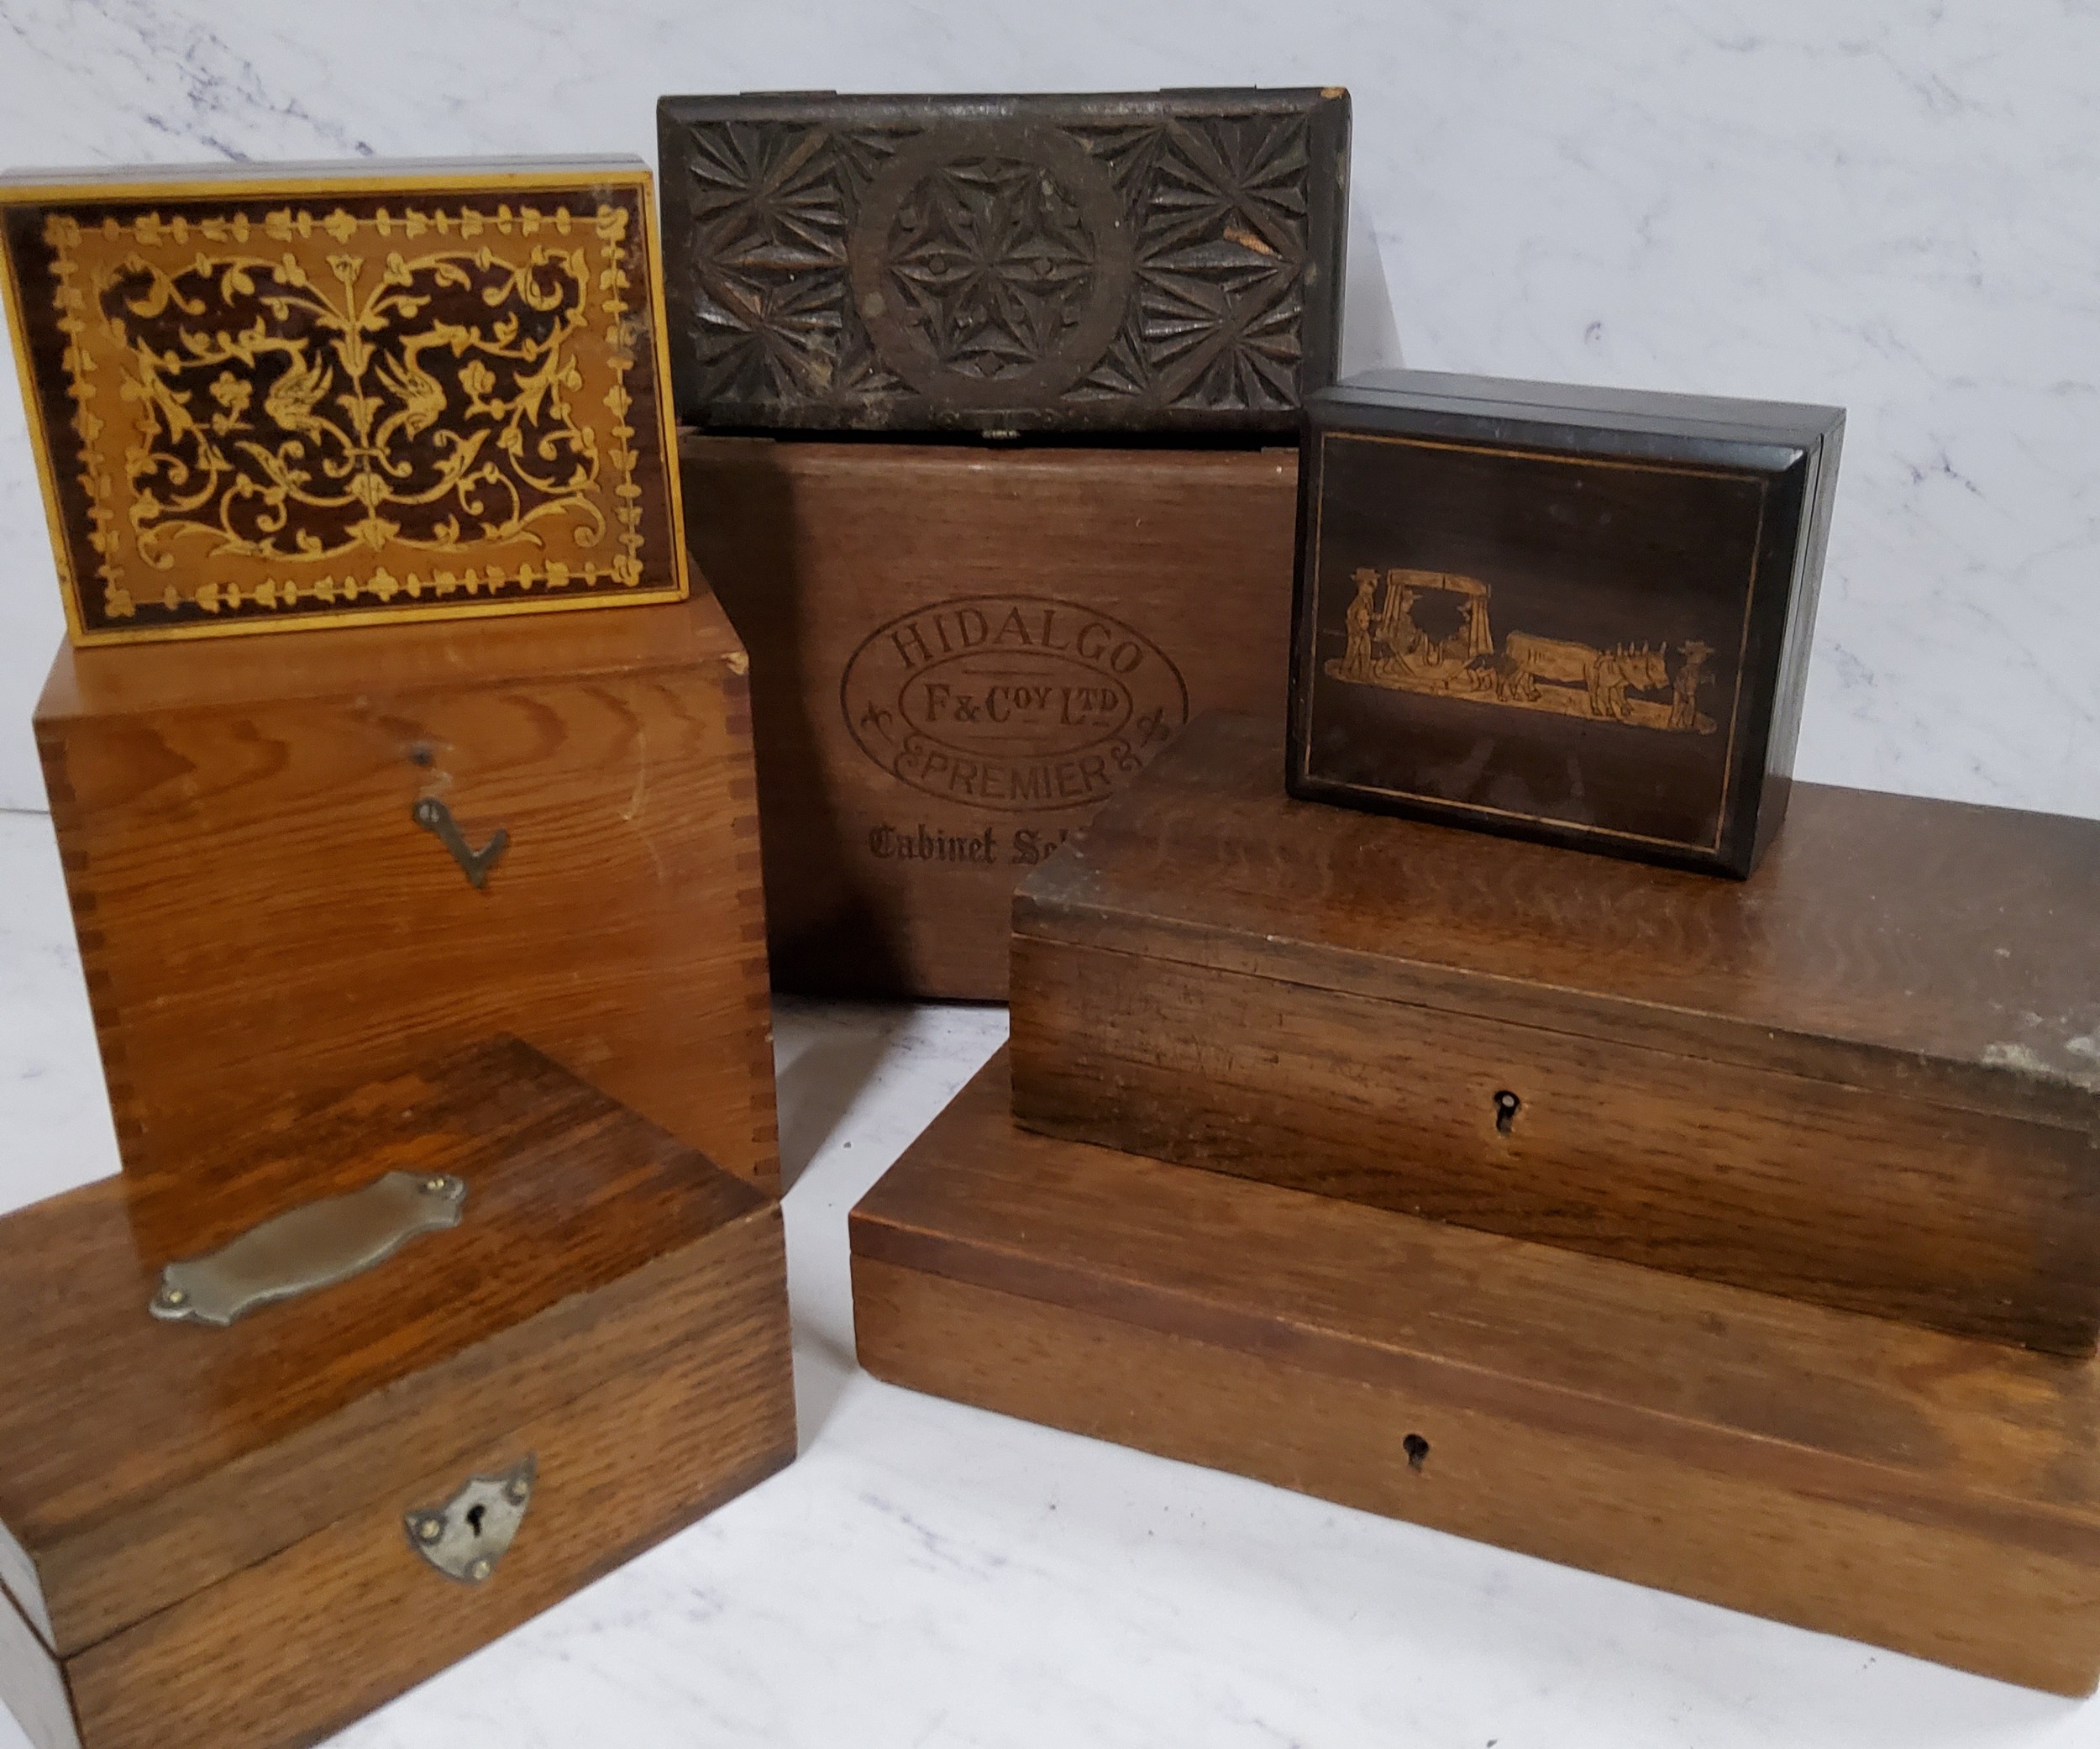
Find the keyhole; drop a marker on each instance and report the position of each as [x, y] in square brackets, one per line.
[1506, 1107]
[474, 1515]
[1417, 1450]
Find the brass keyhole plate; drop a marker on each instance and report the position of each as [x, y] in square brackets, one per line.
[466, 1538]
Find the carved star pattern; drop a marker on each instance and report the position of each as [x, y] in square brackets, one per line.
[771, 204]
[993, 260]
[991, 263]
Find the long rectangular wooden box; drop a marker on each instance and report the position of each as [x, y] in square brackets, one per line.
[956, 655]
[1574, 614]
[309, 859]
[1869, 1076]
[1168, 261]
[1919, 1491]
[247, 1534]
[265, 398]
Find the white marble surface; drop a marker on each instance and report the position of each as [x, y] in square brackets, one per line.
[1890, 204]
[930, 1575]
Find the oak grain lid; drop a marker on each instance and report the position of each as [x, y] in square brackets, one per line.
[142, 1460]
[1169, 261]
[267, 398]
[1930, 948]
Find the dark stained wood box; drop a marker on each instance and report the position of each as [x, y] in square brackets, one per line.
[216, 1533]
[310, 859]
[1869, 1076]
[1577, 615]
[1168, 261]
[957, 654]
[267, 398]
[1919, 1491]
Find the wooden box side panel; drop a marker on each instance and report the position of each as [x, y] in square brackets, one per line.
[1978, 1225]
[261, 913]
[957, 655]
[1641, 1512]
[298, 1646]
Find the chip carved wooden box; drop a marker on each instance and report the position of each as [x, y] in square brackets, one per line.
[1855, 1475]
[309, 859]
[266, 399]
[1869, 1076]
[279, 1441]
[1168, 261]
[1577, 615]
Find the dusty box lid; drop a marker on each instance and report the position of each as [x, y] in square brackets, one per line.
[269, 397]
[1164, 261]
[147, 1452]
[1933, 948]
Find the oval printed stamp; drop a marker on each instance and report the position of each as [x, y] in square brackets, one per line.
[1012, 704]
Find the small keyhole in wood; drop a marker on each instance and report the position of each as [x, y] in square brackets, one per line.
[474, 1515]
[1506, 1105]
[423, 754]
[1417, 1450]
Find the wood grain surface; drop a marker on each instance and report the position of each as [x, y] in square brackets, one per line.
[1139, 261]
[148, 1462]
[261, 916]
[958, 652]
[1791, 1085]
[1937, 1495]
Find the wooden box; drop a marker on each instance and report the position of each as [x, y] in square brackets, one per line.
[957, 654]
[1869, 1076]
[568, 1339]
[266, 398]
[1170, 261]
[312, 859]
[1577, 615]
[1933, 1494]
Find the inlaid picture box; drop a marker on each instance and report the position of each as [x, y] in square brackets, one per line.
[1578, 615]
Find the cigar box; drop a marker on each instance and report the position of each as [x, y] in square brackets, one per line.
[1157, 262]
[958, 654]
[1869, 1076]
[1933, 1494]
[1577, 615]
[270, 398]
[309, 859]
[283, 1439]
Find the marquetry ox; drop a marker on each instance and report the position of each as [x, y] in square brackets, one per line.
[1603, 674]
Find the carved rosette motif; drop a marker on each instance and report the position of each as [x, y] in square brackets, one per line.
[988, 264]
[306, 408]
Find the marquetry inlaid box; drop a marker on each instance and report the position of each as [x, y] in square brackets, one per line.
[280, 1440]
[311, 858]
[1868, 1076]
[1578, 615]
[1854, 1475]
[266, 398]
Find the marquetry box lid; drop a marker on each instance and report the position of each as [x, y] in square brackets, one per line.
[1168, 261]
[280, 1440]
[1575, 614]
[271, 398]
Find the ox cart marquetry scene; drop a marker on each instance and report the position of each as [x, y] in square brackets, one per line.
[1418, 631]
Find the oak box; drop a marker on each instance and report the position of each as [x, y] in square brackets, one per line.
[1868, 1076]
[280, 1440]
